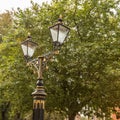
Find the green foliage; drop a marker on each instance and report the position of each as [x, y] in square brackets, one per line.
[87, 70]
[84, 75]
[5, 22]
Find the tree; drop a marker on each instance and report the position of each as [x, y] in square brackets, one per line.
[90, 61]
[5, 22]
[85, 75]
[12, 81]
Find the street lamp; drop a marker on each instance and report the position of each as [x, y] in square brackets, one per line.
[28, 47]
[59, 33]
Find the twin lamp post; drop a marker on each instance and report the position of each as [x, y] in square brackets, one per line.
[59, 33]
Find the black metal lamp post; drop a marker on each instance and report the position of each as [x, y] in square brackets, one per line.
[59, 33]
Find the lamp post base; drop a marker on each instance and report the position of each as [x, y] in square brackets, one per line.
[39, 101]
[38, 114]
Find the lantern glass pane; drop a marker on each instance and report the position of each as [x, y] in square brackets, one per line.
[28, 48]
[54, 32]
[63, 31]
[59, 33]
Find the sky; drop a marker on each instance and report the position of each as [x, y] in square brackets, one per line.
[14, 4]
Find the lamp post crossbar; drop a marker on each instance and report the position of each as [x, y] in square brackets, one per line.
[40, 63]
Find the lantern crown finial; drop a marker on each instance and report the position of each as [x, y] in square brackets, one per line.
[60, 19]
[29, 35]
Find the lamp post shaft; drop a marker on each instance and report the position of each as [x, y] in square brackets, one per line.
[39, 94]
[40, 63]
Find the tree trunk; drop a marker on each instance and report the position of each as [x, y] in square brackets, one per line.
[71, 117]
[3, 115]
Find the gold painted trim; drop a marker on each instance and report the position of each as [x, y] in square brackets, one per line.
[38, 104]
